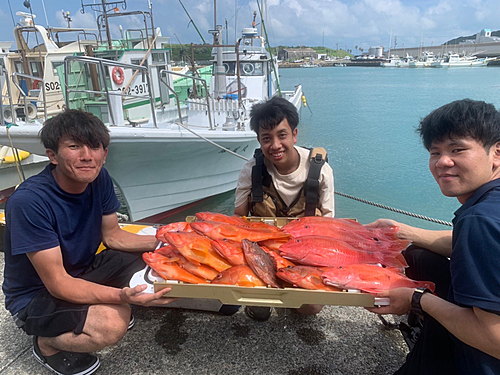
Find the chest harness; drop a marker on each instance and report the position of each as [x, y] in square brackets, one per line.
[265, 200]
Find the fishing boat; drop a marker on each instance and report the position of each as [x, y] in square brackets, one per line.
[424, 61]
[15, 165]
[452, 60]
[165, 153]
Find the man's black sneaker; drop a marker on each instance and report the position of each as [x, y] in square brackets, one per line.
[229, 309]
[67, 363]
[258, 313]
[131, 323]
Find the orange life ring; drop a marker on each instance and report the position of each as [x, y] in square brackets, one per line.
[118, 75]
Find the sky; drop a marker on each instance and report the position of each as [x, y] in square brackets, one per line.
[335, 24]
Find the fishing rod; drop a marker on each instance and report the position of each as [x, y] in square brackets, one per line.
[191, 21]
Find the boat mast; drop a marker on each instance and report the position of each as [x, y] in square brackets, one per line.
[104, 8]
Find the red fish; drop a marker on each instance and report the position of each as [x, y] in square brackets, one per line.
[273, 244]
[230, 250]
[238, 275]
[305, 277]
[260, 263]
[219, 231]
[201, 270]
[326, 243]
[181, 226]
[197, 249]
[278, 260]
[360, 240]
[221, 218]
[170, 270]
[370, 278]
[337, 253]
[334, 225]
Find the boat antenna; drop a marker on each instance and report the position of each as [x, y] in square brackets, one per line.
[269, 49]
[12, 15]
[191, 21]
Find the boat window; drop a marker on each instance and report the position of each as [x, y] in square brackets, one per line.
[138, 62]
[55, 65]
[251, 69]
[158, 57]
[36, 68]
[248, 69]
[19, 67]
[229, 68]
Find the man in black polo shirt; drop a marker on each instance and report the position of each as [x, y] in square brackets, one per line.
[461, 331]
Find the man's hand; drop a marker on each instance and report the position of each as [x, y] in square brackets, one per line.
[135, 296]
[399, 301]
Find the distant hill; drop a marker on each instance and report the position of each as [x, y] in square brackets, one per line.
[462, 39]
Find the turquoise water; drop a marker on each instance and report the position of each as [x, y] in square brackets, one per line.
[366, 118]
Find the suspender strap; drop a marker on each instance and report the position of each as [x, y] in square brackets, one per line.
[311, 190]
[259, 174]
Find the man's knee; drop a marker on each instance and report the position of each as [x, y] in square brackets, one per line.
[107, 324]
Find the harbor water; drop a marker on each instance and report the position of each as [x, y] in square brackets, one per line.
[366, 119]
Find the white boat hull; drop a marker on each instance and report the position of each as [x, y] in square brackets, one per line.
[159, 175]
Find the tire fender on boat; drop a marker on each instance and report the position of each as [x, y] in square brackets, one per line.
[118, 75]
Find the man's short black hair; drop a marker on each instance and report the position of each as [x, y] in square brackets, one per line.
[82, 127]
[461, 119]
[268, 114]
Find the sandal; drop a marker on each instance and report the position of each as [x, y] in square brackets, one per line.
[67, 363]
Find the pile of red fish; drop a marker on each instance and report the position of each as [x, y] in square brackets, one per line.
[311, 252]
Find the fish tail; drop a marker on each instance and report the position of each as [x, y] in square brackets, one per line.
[389, 260]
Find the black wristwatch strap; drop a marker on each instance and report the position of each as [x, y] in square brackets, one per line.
[415, 300]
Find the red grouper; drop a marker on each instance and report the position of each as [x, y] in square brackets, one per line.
[305, 277]
[197, 249]
[221, 218]
[200, 270]
[181, 226]
[170, 270]
[312, 252]
[231, 250]
[238, 275]
[370, 278]
[355, 234]
[219, 231]
[260, 263]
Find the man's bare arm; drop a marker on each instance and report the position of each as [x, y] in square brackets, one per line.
[242, 210]
[116, 238]
[49, 266]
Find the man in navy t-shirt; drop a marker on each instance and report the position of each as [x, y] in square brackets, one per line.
[71, 300]
[461, 322]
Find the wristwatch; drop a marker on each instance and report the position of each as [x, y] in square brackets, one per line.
[415, 300]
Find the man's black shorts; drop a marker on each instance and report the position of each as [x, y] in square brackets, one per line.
[47, 316]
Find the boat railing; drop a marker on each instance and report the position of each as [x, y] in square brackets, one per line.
[163, 74]
[7, 113]
[102, 64]
[81, 41]
[29, 111]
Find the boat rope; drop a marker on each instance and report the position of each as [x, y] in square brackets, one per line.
[15, 153]
[395, 209]
[213, 143]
